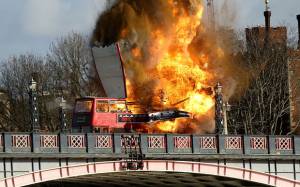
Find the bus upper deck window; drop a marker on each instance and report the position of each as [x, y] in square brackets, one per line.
[117, 106]
[83, 106]
[102, 106]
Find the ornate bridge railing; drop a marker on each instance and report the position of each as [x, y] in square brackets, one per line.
[94, 143]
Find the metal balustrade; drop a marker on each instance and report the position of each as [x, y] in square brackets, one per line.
[283, 143]
[76, 141]
[49, 141]
[156, 142]
[128, 141]
[233, 142]
[258, 143]
[92, 143]
[1, 141]
[103, 141]
[21, 141]
[208, 142]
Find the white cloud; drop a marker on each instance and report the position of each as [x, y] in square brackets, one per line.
[42, 17]
[31, 25]
[53, 18]
[250, 12]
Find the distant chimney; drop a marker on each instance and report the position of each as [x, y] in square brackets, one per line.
[267, 14]
[267, 20]
[298, 18]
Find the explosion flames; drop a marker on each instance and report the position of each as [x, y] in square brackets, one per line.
[177, 75]
[166, 64]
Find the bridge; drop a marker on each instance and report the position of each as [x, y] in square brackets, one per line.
[36, 158]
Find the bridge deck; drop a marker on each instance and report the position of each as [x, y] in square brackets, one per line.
[26, 152]
[151, 144]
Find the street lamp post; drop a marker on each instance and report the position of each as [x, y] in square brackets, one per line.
[62, 115]
[226, 108]
[35, 126]
[219, 115]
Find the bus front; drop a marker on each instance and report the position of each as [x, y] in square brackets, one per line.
[82, 115]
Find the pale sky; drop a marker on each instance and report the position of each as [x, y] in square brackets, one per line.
[29, 26]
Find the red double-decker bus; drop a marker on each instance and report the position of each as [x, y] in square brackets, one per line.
[111, 114]
[94, 114]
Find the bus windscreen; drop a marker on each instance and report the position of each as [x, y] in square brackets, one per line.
[83, 106]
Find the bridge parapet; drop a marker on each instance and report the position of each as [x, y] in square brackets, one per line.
[94, 143]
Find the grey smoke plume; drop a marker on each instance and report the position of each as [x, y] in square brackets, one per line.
[137, 16]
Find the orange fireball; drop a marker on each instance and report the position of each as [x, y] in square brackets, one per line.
[175, 78]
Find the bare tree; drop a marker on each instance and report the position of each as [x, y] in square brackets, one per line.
[71, 58]
[264, 106]
[15, 75]
[66, 71]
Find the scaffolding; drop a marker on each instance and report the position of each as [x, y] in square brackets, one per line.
[132, 149]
